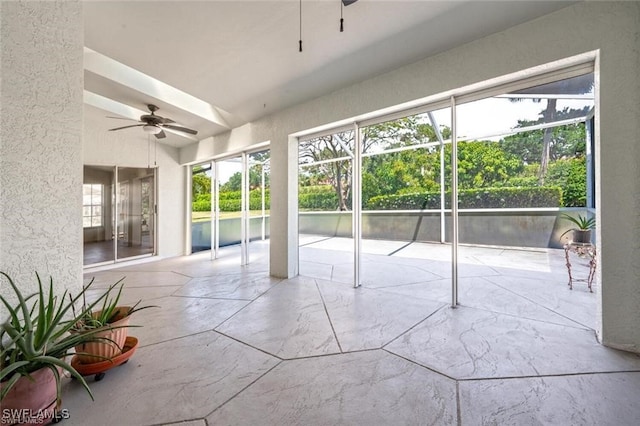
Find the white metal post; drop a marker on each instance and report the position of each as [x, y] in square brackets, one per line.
[215, 197]
[263, 204]
[244, 214]
[454, 206]
[588, 124]
[116, 198]
[356, 198]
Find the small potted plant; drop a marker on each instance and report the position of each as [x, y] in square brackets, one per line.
[34, 345]
[581, 234]
[110, 323]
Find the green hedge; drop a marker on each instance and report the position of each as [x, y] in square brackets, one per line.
[326, 199]
[230, 201]
[318, 201]
[317, 197]
[488, 198]
[313, 189]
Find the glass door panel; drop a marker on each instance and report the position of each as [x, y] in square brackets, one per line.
[98, 214]
[259, 204]
[136, 212]
[201, 207]
[229, 194]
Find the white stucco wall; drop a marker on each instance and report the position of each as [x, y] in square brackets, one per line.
[612, 28]
[41, 143]
[131, 149]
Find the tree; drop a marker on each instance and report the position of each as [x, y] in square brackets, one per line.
[565, 141]
[483, 164]
[576, 85]
[338, 147]
[233, 184]
[201, 182]
[381, 173]
[399, 172]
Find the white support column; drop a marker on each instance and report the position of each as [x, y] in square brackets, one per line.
[454, 206]
[41, 160]
[356, 201]
[283, 240]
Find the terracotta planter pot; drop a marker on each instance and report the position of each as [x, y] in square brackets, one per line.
[31, 402]
[91, 352]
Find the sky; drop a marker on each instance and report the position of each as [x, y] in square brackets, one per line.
[495, 115]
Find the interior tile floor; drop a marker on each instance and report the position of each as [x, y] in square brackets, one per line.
[230, 345]
[103, 251]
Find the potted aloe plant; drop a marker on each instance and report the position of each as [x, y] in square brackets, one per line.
[35, 342]
[581, 234]
[110, 323]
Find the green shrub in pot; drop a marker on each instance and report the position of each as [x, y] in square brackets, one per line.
[35, 338]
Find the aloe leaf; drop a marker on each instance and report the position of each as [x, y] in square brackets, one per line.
[9, 384]
[11, 368]
[65, 366]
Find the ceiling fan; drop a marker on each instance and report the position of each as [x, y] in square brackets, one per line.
[153, 124]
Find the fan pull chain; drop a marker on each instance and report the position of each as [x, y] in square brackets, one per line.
[148, 151]
[300, 41]
[341, 19]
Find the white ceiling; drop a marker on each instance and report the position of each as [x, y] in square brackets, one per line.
[215, 65]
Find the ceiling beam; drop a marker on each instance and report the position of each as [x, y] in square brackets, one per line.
[111, 69]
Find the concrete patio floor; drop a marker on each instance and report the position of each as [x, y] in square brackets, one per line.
[230, 345]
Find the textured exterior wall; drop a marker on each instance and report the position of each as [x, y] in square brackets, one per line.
[41, 143]
[612, 28]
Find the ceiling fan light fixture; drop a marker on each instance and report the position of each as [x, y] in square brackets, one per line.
[151, 129]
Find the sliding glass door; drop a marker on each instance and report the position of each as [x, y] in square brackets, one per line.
[230, 206]
[258, 179]
[136, 215]
[118, 213]
[202, 180]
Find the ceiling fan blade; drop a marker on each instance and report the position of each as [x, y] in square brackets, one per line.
[126, 127]
[121, 118]
[348, 2]
[180, 129]
[160, 135]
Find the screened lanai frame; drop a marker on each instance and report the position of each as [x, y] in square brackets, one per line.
[581, 65]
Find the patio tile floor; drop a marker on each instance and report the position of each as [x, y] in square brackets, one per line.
[231, 345]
